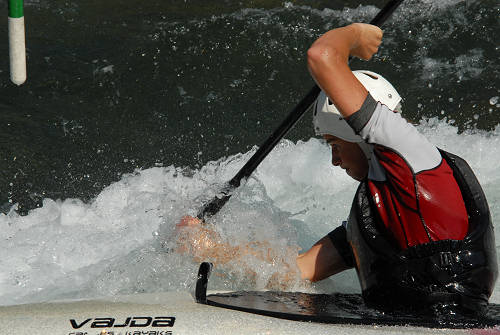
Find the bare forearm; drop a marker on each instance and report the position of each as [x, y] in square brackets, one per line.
[204, 243]
[321, 261]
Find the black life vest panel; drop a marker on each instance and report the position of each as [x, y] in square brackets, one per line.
[448, 271]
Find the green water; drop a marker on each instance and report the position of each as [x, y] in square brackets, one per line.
[114, 86]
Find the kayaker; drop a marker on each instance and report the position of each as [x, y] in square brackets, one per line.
[410, 233]
[419, 232]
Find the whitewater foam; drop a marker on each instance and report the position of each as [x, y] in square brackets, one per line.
[124, 240]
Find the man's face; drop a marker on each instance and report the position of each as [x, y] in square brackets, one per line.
[348, 156]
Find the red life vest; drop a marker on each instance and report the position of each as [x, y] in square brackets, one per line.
[447, 272]
[418, 208]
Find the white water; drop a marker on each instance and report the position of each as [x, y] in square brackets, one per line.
[123, 241]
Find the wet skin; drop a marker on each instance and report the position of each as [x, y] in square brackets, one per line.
[348, 156]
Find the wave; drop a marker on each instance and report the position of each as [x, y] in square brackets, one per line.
[124, 240]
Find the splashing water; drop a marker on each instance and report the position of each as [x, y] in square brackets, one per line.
[123, 241]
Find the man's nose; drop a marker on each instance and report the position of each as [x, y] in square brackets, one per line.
[336, 159]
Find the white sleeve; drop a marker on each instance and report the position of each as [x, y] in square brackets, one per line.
[387, 128]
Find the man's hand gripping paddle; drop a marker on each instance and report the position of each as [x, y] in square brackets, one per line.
[213, 206]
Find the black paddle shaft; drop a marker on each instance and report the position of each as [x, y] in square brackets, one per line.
[213, 206]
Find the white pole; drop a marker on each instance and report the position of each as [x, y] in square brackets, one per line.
[17, 44]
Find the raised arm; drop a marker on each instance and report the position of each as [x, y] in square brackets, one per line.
[327, 60]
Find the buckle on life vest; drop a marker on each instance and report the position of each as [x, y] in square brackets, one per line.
[445, 259]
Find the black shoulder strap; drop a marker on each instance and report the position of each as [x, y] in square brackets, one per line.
[370, 225]
[472, 193]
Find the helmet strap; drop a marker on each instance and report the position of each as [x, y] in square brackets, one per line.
[367, 149]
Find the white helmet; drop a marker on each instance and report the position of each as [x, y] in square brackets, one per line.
[327, 119]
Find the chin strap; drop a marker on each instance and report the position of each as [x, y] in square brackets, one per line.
[367, 149]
